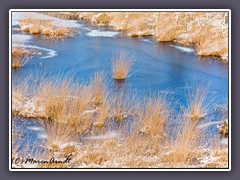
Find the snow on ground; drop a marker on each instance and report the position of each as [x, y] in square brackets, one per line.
[99, 33]
[108, 135]
[49, 52]
[35, 128]
[209, 124]
[147, 40]
[16, 16]
[20, 39]
[183, 49]
[42, 136]
[224, 141]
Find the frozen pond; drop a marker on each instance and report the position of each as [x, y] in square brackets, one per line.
[164, 68]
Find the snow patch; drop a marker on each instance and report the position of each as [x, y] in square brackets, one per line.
[20, 39]
[224, 141]
[98, 33]
[35, 128]
[50, 53]
[147, 40]
[42, 136]
[183, 49]
[209, 124]
[109, 135]
[17, 16]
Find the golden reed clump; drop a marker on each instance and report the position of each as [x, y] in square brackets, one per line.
[121, 65]
[20, 57]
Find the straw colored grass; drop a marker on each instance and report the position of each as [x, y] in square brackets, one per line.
[19, 57]
[69, 115]
[99, 88]
[102, 114]
[223, 128]
[65, 108]
[183, 148]
[44, 27]
[121, 65]
[197, 105]
[122, 106]
[155, 116]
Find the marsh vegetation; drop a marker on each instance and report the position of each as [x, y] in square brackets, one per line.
[96, 116]
[44, 27]
[77, 119]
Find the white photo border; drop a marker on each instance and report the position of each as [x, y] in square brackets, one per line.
[120, 10]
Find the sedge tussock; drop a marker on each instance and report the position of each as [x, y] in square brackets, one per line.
[122, 106]
[53, 95]
[102, 115]
[183, 148]
[155, 116]
[99, 88]
[197, 104]
[121, 65]
[19, 57]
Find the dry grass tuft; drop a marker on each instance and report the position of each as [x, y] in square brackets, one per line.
[96, 158]
[122, 106]
[183, 148]
[45, 27]
[53, 96]
[155, 116]
[19, 57]
[223, 128]
[99, 88]
[197, 104]
[121, 65]
[102, 115]
[67, 111]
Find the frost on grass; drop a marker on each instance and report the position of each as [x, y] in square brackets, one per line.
[51, 27]
[98, 136]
